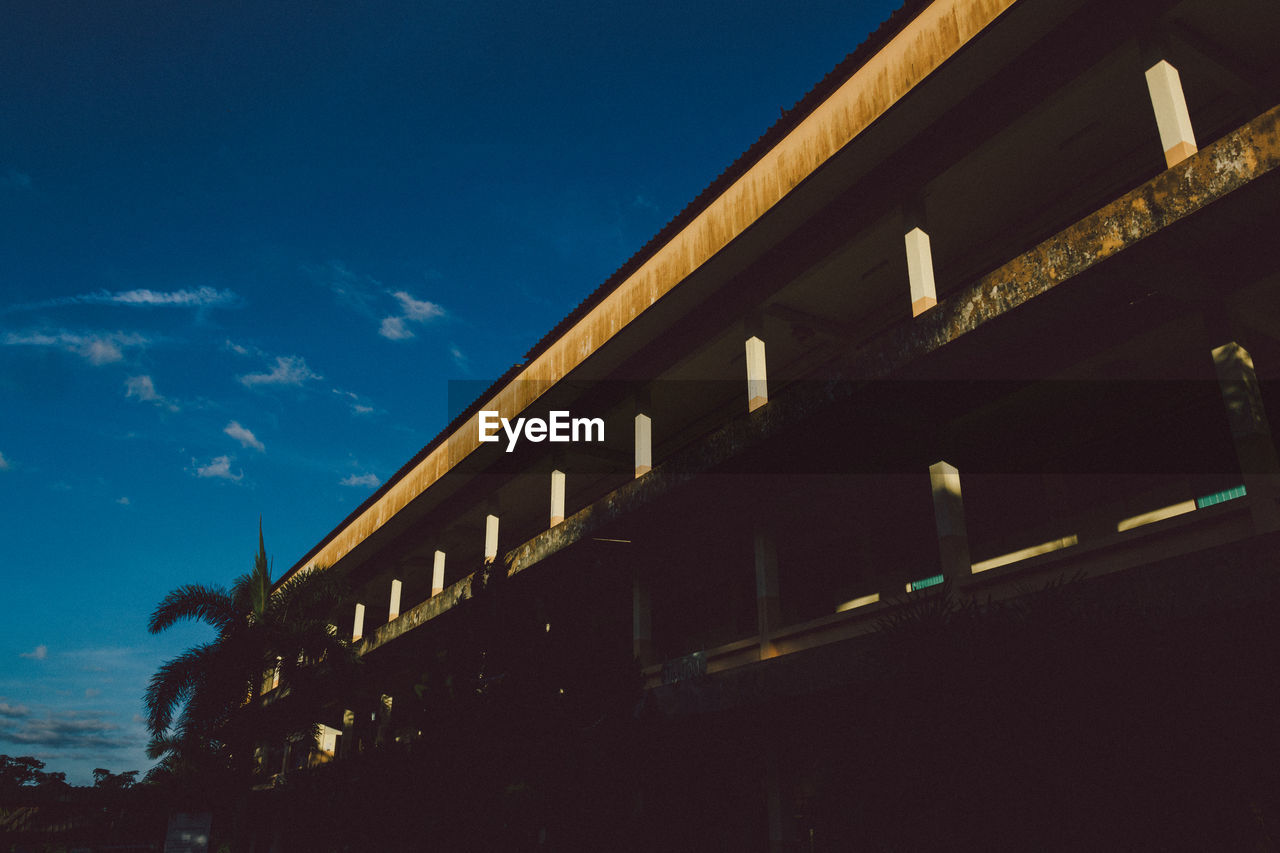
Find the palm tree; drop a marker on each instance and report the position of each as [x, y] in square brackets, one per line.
[206, 706]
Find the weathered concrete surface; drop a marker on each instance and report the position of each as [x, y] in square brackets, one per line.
[922, 46]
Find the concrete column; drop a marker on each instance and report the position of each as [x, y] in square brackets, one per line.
[1172, 117]
[757, 379]
[948, 513]
[1251, 433]
[490, 538]
[768, 611]
[924, 294]
[644, 444]
[357, 629]
[641, 620]
[394, 611]
[437, 574]
[773, 802]
[557, 497]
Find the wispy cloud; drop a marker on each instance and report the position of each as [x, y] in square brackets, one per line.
[54, 729]
[38, 653]
[412, 310]
[17, 180]
[357, 403]
[218, 468]
[244, 436]
[460, 358]
[144, 389]
[370, 481]
[395, 329]
[123, 501]
[97, 348]
[355, 292]
[13, 711]
[241, 349]
[201, 297]
[287, 370]
[4, 463]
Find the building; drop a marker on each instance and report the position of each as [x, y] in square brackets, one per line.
[994, 304]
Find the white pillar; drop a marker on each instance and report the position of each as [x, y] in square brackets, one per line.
[490, 538]
[644, 445]
[924, 293]
[394, 611]
[757, 379]
[557, 497]
[1172, 117]
[948, 513]
[437, 574]
[357, 629]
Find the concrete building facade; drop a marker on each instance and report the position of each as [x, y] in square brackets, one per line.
[995, 304]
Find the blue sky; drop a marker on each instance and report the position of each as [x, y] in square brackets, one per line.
[245, 245]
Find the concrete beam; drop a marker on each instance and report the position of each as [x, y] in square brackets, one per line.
[1172, 117]
[641, 620]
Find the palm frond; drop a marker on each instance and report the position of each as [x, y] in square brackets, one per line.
[210, 604]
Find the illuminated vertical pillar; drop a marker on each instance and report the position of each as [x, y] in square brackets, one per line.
[768, 611]
[924, 293]
[393, 612]
[757, 378]
[357, 629]
[490, 538]
[644, 444]
[1250, 432]
[948, 513]
[437, 574]
[1172, 117]
[557, 497]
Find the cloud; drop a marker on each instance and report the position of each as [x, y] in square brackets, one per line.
[123, 501]
[201, 297]
[4, 463]
[355, 400]
[241, 349]
[244, 436]
[92, 692]
[97, 348]
[459, 358]
[60, 729]
[38, 653]
[144, 390]
[219, 468]
[412, 310]
[13, 711]
[418, 310]
[16, 179]
[288, 370]
[367, 480]
[394, 329]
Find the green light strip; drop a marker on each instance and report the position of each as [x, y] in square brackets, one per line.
[916, 586]
[1220, 497]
